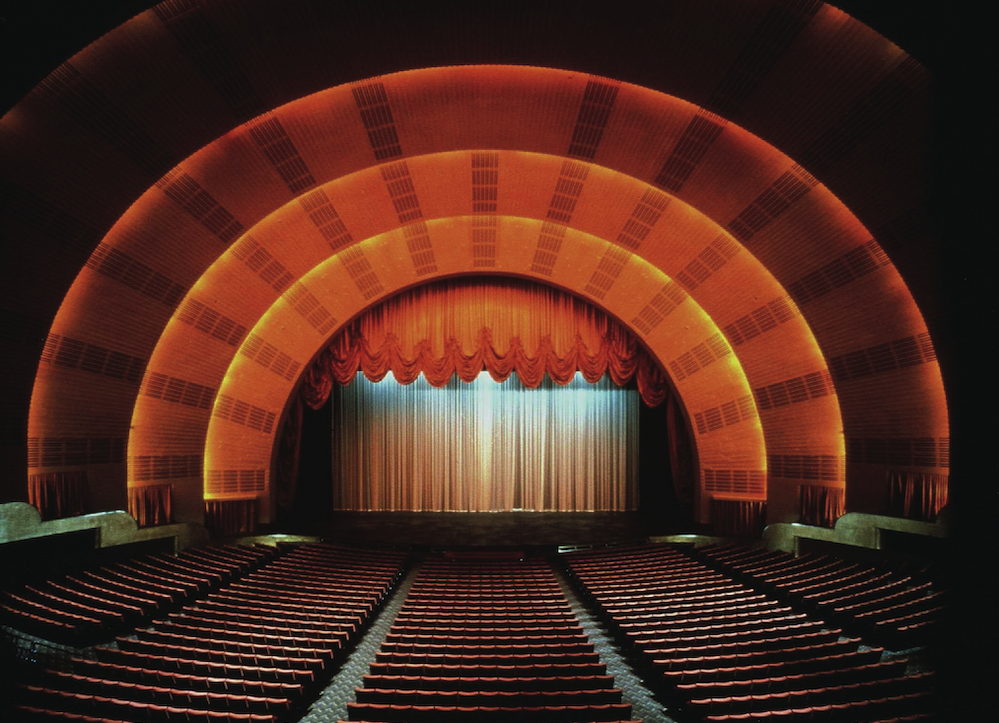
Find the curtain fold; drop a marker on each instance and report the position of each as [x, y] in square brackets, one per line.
[151, 505]
[58, 494]
[738, 518]
[231, 517]
[917, 495]
[821, 506]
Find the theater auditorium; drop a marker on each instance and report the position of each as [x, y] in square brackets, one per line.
[470, 362]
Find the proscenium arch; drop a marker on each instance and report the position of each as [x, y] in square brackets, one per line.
[712, 190]
[236, 291]
[736, 447]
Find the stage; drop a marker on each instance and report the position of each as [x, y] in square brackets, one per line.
[491, 529]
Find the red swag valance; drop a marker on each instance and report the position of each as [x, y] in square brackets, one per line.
[618, 356]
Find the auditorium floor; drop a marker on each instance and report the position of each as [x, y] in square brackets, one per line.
[492, 529]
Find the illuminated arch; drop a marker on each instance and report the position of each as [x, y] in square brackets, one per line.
[856, 306]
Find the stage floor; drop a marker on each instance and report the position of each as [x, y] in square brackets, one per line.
[488, 529]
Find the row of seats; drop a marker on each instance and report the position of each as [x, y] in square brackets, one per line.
[719, 649]
[86, 606]
[213, 660]
[893, 608]
[478, 641]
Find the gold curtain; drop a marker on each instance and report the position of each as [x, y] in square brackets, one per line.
[821, 506]
[483, 446]
[151, 505]
[917, 495]
[58, 494]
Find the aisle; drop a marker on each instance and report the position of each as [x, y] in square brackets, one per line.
[332, 704]
[643, 703]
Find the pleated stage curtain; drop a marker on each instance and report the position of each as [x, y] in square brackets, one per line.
[231, 517]
[821, 506]
[917, 495]
[58, 494]
[151, 505]
[738, 518]
[485, 446]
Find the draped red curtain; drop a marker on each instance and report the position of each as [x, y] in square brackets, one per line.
[58, 494]
[618, 356]
[738, 518]
[231, 517]
[151, 505]
[917, 495]
[462, 328]
[821, 506]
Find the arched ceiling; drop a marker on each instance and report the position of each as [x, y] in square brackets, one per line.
[736, 183]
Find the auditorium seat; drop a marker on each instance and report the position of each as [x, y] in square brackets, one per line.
[897, 608]
[233, 652]
[724, 645]
[487, 640]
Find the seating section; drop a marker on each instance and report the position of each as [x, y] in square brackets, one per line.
[85, 606]
[251, 650]
[480, 640]
[894, 609]
[722, 651]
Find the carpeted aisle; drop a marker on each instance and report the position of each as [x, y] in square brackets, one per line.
[331, 706]
[644, 706]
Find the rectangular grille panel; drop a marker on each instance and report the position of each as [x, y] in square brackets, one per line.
[594, 112]
[75, 451]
